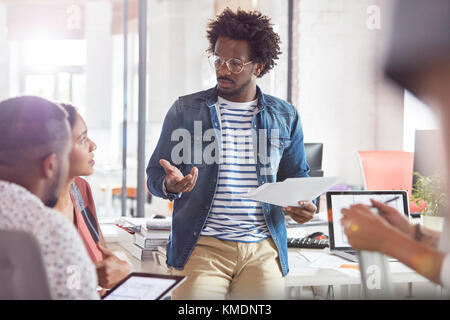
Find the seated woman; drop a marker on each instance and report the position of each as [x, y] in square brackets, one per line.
[76, 204]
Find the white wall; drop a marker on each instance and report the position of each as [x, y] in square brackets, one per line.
[4, 54]
[343, 99]
[418, 116]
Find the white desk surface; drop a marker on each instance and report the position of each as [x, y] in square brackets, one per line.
[315, 276]
[300, 275]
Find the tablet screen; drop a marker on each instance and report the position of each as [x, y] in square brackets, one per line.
[143, 287]
[339, 200]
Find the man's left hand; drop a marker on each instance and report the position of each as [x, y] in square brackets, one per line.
[302, 214]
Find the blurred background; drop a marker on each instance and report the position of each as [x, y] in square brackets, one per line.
[72, 51]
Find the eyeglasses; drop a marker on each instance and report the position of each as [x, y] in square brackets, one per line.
[234, 65]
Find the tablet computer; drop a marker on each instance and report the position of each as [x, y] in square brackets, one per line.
[337, 200]
[144, 286]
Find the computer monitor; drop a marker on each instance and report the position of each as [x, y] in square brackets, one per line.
[427, 152]
[314, 153]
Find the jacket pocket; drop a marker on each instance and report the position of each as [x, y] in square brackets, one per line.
[271, 152]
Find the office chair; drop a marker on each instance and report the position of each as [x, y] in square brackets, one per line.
[314, 153]
[22, 272]
[388, 170]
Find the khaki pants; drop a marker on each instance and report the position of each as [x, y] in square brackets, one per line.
[218, 270]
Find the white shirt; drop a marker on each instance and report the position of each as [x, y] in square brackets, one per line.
[232, 217]
[70, 272]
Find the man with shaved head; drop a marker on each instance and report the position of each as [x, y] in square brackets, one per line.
[34, 147]
[34, 141]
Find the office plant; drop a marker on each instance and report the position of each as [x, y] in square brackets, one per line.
[432, 190]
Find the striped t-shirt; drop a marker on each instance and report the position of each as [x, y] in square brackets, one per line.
[231, 217]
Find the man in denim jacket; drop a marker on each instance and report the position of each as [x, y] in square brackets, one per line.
[234, 138]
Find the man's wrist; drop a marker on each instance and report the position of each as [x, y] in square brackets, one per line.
[167, 193]
[164, 189]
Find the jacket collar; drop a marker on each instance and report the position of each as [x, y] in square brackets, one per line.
[211, 95]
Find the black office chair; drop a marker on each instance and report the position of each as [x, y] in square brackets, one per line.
[22, 272]
[314, 153]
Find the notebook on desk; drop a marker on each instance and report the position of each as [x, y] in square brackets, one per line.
[337, 200]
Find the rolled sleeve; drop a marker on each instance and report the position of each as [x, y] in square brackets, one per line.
[170, 196]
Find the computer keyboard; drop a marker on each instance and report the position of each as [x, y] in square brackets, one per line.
[307, 243]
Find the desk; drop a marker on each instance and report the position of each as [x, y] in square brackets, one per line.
[346, 284]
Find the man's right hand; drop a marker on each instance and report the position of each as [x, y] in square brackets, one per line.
[175, 182]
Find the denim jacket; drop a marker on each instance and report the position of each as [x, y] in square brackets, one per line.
[190, 131]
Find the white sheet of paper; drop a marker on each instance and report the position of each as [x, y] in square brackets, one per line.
[310, 255]
[292, 190]
[329, 261]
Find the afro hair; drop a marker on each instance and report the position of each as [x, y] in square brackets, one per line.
[253, 27]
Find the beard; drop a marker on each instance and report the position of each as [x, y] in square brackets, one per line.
[51, 198]
[51, 201]
[236, 92]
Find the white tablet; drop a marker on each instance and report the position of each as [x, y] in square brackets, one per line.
[144, 286]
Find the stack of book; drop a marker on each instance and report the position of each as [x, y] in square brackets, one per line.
[142, 237]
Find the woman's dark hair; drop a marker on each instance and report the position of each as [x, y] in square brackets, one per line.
[253, 27]
[71, 113]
